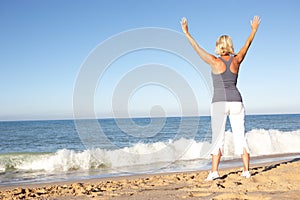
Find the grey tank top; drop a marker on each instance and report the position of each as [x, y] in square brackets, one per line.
[225, 85]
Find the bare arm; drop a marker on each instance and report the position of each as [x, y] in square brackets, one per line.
[206, 57]
[254, 25]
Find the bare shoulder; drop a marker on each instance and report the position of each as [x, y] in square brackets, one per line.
[235, 64]
[214, 61]
[239, 57]
[217, 65]
[236, 60]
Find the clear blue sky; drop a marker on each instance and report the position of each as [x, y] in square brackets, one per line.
[44, 43]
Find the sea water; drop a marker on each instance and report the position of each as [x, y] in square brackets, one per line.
[54, 150]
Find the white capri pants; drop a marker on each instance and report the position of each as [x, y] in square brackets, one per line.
[236, 113]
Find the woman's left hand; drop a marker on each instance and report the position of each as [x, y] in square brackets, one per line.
[184, 25]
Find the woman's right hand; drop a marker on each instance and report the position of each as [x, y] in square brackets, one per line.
[255, 22]
[184, 25]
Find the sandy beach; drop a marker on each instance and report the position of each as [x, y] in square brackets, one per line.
[276, 180]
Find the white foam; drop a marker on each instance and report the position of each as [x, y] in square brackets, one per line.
[268, 142]
[261, 142]
[2, 169]
[63, 160]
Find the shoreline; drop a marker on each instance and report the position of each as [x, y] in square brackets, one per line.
[272, 179]
[194, 166]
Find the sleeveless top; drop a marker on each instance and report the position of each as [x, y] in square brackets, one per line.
[225, 85]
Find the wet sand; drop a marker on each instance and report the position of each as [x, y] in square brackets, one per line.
[276, 180]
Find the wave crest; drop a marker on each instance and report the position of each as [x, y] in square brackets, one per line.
[260, 141]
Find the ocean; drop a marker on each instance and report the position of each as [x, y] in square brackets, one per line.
[55, 150]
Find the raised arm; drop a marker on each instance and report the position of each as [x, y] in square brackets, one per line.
[206, 57]
[254, 25]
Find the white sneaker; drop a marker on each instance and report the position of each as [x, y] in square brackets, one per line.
[246, 174]
[212, 176]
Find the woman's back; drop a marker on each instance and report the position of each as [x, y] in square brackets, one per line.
[225, 82]
[219, 66]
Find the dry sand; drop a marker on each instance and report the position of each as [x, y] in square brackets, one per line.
[279, 180]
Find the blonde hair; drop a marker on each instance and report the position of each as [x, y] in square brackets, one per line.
[224, 45]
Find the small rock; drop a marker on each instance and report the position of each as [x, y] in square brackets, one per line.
[41, 191]
[18, 191]
[89, 188]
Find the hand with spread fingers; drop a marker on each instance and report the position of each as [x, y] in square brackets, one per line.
[255, 22]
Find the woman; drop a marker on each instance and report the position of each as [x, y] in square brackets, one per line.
[226, 99]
